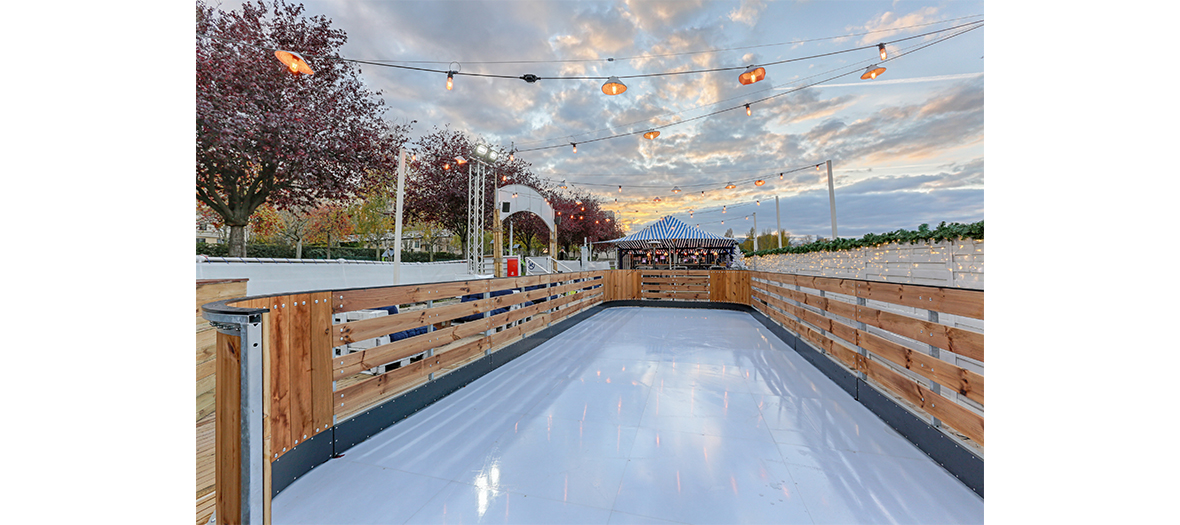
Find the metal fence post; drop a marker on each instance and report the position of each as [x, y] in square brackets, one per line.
[248, 327]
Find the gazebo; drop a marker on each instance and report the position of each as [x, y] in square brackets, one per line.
[670, 243]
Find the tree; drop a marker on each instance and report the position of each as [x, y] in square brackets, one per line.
[436, 186]
[263, 135]
[329, 223]
[371, 220]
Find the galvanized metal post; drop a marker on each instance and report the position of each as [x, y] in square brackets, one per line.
[248, 328]
[860, 301]
[934, 352]
[430, 329]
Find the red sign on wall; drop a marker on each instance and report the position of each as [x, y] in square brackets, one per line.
[513, 266]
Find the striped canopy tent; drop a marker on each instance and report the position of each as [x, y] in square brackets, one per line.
[670, 231]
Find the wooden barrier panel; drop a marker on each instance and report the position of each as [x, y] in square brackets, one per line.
[228, 448]
[833, 330]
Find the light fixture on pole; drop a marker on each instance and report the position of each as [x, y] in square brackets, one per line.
[294, 62]
[752, 75]
[614, 86]
[651, 134]
[872, 73]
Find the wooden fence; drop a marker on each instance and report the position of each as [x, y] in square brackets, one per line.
[328, 356]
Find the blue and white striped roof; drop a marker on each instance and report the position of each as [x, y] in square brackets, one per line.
[672, 231]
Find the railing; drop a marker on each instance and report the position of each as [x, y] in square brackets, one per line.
[894, 335]
[327, 357]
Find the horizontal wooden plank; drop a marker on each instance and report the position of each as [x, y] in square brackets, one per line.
[961, 380]
[354, 331]
[704, 279]
[381, 388]
[963, 342]
[355, 362]
[349, 300]
[950, 413]
[954, 301]
[683, 296]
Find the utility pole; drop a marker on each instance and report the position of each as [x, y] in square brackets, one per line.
[832, 199]
[779, 220]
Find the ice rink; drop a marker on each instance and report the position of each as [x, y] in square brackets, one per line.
[639, 415]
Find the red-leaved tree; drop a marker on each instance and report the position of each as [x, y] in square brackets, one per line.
[264, 135]
[436, 186]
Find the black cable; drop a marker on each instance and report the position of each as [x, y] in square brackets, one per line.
[800, 88]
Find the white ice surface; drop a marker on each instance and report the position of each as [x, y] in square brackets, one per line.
[638, 415]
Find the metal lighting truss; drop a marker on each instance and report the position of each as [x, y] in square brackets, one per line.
[476, 178]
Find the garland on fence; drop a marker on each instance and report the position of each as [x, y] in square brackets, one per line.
[944, 232]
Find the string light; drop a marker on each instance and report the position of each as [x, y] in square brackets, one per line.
[657, 199]
[676, 189]
[759, 182]
[575, 147]
[294, 62]
[730, 186]
[614, 86]
[752, 75]
[881, 48]
[620, 190]
[780, 176]
[450, 80]
[748, 112]
[651, 134]
[872, 73]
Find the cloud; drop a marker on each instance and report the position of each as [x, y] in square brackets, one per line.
[888, 24]
[748, 12]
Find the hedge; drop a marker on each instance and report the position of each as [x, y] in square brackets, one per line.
[944, 232]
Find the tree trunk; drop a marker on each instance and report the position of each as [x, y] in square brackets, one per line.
[299, 249]
[237, 240]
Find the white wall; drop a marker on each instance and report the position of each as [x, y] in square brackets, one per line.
[957, 264]
[270, 276]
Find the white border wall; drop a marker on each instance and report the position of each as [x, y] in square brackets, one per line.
[271, 276]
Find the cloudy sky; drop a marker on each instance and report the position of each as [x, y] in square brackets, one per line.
[906, 148]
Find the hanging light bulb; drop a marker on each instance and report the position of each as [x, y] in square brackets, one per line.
[752, 75]
[730, 186]
[657, 199]
[748, 112]
[575, 147]
[614, 86]
[819, 167]
[759, 182]
[780, 176]
[675, 189]
[723, 208]
[514, 195]
[651, 134]
[872, 73]
[881, 48]
[446, 165]
[450, 80]
[460, 161]
[563, 186]
[620, 189]
[294, 62]
[757, 203]
[504, 179]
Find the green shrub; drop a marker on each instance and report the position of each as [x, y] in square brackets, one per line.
[944, 232]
